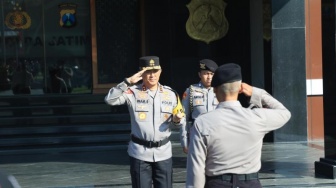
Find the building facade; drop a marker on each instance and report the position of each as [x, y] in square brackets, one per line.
[78, 49]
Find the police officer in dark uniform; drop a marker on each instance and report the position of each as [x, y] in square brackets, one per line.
[198, 99]
[154, 109]
[225, 144]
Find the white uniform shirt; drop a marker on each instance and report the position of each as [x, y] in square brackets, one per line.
[151, 117]
[229, 139]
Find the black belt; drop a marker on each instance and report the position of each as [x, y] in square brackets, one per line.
[229, 177]
[149, 144]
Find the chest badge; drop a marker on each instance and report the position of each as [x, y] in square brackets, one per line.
[142, 115]
[166, 95]
[142, 95]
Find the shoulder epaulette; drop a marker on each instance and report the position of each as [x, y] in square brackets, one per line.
[167, 87]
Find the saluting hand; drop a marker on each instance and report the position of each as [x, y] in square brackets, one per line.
[136, 77]
[246, 89]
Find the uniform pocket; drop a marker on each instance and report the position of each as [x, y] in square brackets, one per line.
[166, 112]
[142, 112]
[198, 99]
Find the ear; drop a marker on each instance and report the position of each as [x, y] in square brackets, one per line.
[199, 74]
[241, 89]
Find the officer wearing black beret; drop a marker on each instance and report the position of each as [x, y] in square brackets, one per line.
[153, 109]
[225, 144]
[227, 73]
[198, 98]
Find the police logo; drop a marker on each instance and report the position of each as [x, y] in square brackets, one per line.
[206, 20]
[17, 19]
[202, 66]
[152, 63]
[67, 15]
[142, 115]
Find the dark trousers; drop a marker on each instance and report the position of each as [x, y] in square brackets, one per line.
[147, 174]
[233, 183]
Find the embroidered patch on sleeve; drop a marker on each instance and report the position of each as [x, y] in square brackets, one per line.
[129, 91]
[184, 95]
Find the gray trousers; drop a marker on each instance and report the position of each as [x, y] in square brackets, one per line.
[147, 174]
[234, 183]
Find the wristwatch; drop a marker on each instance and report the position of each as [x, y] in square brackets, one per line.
[127, 83]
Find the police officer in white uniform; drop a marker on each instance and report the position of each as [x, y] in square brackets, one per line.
[151, 106]
[226, 143]
[198, 99]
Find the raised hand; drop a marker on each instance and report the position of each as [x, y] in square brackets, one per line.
[136, 77]
[246, 89]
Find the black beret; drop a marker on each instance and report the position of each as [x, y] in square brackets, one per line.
[149, 63]
[207, 64]
[226, 73]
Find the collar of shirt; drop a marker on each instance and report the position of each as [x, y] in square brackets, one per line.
[203, 88]
[229, 104]
[144, 88]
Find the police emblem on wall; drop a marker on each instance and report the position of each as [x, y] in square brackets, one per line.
[67, 15]
[207, 20]
[17, 19]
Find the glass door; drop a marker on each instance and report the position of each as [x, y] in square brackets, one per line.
[45, 47]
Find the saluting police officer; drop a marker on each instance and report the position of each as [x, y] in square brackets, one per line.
[198, 99]
[151, 106]
[225, 144]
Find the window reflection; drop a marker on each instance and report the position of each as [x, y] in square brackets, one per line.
[43, 47]
[72, 75]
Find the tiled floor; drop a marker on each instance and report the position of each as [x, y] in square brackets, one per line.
[284, 165]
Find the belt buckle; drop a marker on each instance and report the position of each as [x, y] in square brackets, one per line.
[159, 143]
[150, 144]
[227, 177]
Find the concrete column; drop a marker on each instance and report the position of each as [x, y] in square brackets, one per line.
[327, 165]
[289, 66]
[257, 45]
